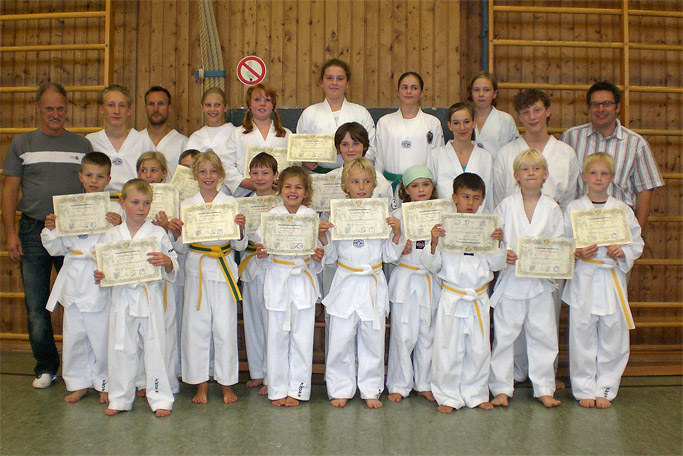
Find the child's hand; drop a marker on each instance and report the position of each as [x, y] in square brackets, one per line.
[323, 228]
[161, 219]
[318, 254]
[114, 218]
[241, 220]
[309, 165]
[261, 251]
[176, 227]
[395, 225]
[588, 252]
[497, 234]
[50, 221]
[614, 251]
[577, 255]
[408, 248]
[159, 259]
[511, 257]
[99, 276]
[437, 232]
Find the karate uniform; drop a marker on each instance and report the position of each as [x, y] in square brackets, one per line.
[171, 145]
[124, 160]
[290, 292]
[319, 119]
[498, 130]
[357, 306]
[525, 303]
[236, 151]
[214, 318]
[136, 321]
[599, 315]
[462, 350]
[414, 295]
[211, 138]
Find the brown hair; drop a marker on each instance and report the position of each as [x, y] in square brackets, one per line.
[263, 160]
[405, 197]
[480, 75]
[338, 63]
[97, 159]
[248, 124]
[357, 132]
[297, 171]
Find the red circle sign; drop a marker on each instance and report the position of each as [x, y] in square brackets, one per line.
[251, 70]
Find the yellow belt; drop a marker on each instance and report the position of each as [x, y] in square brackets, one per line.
[251, 249]
[289, 263]
[78, 252]
[476, 305]
[429, 279]
[378, 267]
[375, 267]
[217, 252]
[622, 300]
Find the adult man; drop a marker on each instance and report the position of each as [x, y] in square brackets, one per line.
[166, 140]
[43, 163]
[636, 174]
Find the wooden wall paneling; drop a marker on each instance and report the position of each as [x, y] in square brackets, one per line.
[413, 40]
[442, 80]
[358, 49]
[453, 50]
[331, 42]
[399, 51]
[385, 56]
[148, 57]
[8, 77]
[344, 21]
[255, 29]
[317, 50]
[276, 48]
[195, 86]
[170, 50]
[289, 62]
[181, 99]
[134, 46]
[426, 31]
[368, 61]
[303, 55]
[158, 44]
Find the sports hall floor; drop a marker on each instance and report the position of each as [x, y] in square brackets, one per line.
[644, 419]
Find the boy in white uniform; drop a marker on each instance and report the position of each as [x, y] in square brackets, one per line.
[599, 315]
[86, 306]
[137, 311]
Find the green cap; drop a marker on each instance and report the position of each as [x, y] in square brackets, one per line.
[416, 172]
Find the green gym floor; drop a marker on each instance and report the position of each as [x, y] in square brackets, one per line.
[644, 419]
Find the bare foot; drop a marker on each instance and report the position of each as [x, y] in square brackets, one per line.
[254, 382]
[339, 402]
[278, 402]
[373, 403]
[445, 409]
[229, 395]
[486, 406]
[501, 399]
[200, 396]
[291, 402]
[395, 397]
[588, 403]
[559, 384]
[602, 403]
[76, 395]
[111, 412]
[263, 391]
[104, 397]
[427, 395]
[549, 401]
[160, 413]
[142, 392]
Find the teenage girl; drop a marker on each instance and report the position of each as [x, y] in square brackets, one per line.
[214, 134]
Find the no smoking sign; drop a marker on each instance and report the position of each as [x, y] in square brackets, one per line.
[251, 70]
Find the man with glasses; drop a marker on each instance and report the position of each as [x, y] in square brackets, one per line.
[636, 174]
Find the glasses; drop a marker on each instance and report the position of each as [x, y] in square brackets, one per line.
[597, 104]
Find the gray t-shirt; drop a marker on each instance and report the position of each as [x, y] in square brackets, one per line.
[47, 165]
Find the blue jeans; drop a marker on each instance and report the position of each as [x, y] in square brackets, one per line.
[36, 267]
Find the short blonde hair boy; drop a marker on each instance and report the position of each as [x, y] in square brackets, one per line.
[211, 157]
[114, 88]
[530, 156]
[136, 185]
[598, 157]
[152, 155]
[361, 163]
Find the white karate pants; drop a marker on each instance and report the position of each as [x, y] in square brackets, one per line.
[255, 318]
[85, 349]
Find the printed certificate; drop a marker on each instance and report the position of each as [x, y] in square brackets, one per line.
[363, 218]
[81, 213]
[311, 148]
[469, 233]
[606, 226]
[279, 153]
[126, 262]
[210, 222]
[165, 197]
[326, 187]
[185, 182]
[290, 234]
[252, 208]
[419, 217]
[545, 258]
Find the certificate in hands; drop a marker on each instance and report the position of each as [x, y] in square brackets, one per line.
[81, 213]
[185, 182]
[165, 197]
[289, 234]
[469, 233]
[362, 218]
[278, 153]
[125, 262]
[326, 187]
[311, 148]
[545, 258]
[253, 207]
[419, 217]
[606, 226]
[210, 222]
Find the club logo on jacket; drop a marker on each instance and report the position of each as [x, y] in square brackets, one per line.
[406, 144]
[358, 243]
[420, 245]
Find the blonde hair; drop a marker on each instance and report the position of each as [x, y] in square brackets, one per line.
[598, 157]
[136, 185]
[299, 172]
[361, 163]
[217, 90]
[114, 88]
[152, 155]
[211, 157]
[531, 156]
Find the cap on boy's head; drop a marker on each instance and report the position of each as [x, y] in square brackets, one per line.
[531, 156]
[136, 185]
[97, 159]
[416, 172]
[598, 157]
[470, 181]
[263, 160]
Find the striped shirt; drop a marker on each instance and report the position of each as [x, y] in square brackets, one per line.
[635, 169]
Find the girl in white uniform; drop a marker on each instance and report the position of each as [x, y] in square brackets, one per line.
[211, 293]
[327, 116]
[258, 129]
[414, 295]
[290, 293]
[358, 301]
[494, 128]
[460, 155]
[214, 135]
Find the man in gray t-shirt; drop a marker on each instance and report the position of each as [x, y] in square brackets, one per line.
[42, 163]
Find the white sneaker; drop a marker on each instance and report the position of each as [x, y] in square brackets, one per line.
[43, 381]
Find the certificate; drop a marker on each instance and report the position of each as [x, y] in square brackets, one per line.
[606, 226]
[311, 148]
[126, 261]
[469, 233]
[165, 197]
[326, 187]
[419, 217]
[81, 213]
[185, 182]
[545, 258]
[253, 207]
[210, 222]
[278, 153]
[362, 218]
[289, 234]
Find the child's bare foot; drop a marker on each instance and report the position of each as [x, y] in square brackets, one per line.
[549, 401]
[445, 409]
[486, 406]
[111, 412]
[559, 384]
[160, 413]
[278, 402]
[200, 396]
[229, 395]
[142, 392]
[395, 397]
[254, 382]
[104, 397]
[588, 403]
[501, 399]
[339, 402]
[427, 395]
[76, 395]
[602, 403]
[373, 403]
[291, 402]
[263, 391]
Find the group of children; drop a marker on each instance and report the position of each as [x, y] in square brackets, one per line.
[185, 325]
